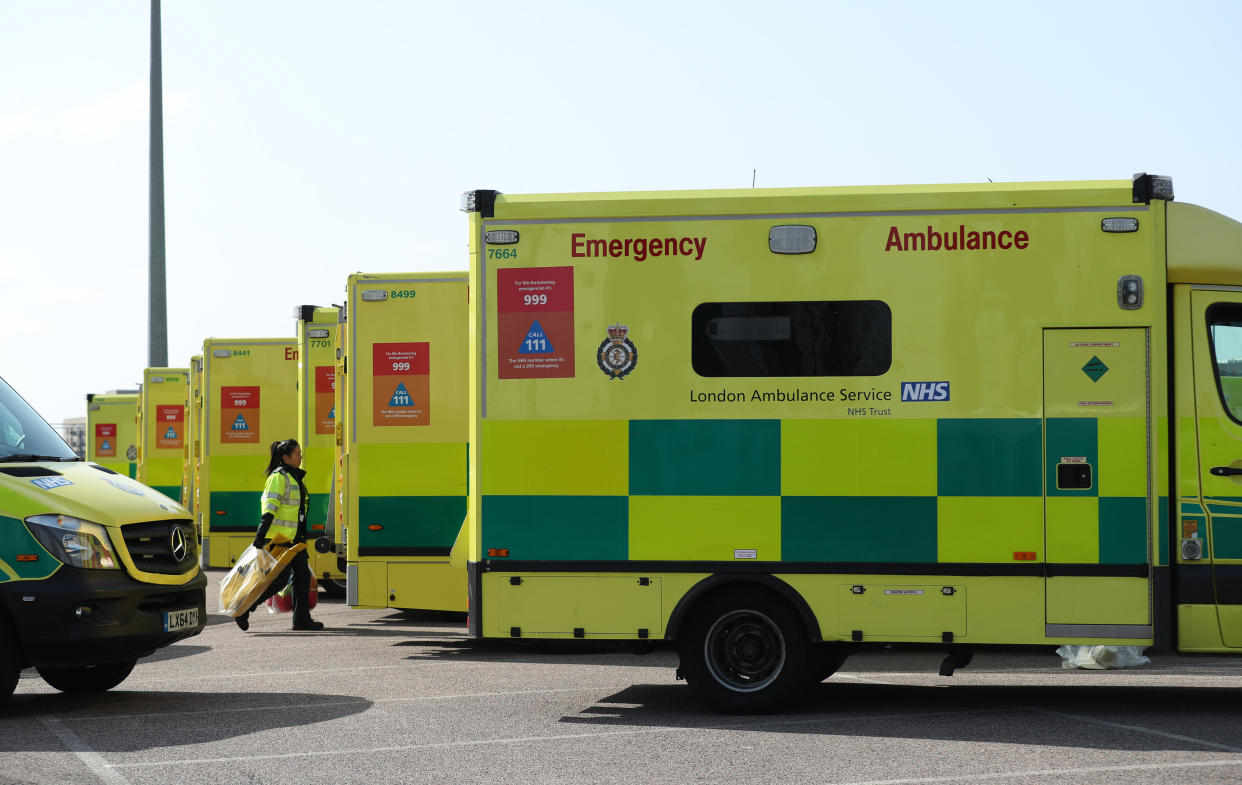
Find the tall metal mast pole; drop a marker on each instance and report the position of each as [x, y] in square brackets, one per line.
[157, 309]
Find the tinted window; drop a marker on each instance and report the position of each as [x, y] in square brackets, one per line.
[834, 338]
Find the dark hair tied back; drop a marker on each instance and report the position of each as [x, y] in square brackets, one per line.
[279, 450]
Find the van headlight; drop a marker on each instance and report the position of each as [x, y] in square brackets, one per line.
[74, 541]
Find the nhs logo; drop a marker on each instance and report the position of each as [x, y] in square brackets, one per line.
[924, 391]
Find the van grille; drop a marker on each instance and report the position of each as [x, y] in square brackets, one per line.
[150, 546]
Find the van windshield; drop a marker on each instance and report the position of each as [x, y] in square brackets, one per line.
[24, 436]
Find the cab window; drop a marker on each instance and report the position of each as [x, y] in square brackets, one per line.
[1225, 337]
[804, 338]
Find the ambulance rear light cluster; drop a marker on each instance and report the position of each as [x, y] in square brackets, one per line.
[501, 236]
[792, 239]
[1119, 225]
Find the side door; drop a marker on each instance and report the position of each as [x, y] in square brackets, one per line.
[1216, 346]
[1097, 483]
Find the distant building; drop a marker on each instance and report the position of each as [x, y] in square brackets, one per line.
[73, 429]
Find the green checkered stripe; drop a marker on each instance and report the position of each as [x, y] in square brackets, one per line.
[946, 490]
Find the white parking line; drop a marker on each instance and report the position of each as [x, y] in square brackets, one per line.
[1141, 729]
[252, 674]
[300, 706]
[998, 775]
[93, 760]
[743, 726]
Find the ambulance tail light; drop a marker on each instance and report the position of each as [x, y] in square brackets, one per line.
[1119, 225]
[1130, 292]
[792, 239]
[501, 236]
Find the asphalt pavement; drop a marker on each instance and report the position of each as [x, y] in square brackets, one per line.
[388, 697]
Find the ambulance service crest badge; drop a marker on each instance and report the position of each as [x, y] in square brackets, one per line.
[617, 355]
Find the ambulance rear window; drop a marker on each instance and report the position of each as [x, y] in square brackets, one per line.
[809, 338]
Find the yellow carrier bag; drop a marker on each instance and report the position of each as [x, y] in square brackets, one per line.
[253, 573]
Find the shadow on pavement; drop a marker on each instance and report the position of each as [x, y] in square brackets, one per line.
[1086, 717]
[153, 720]
[548, 652]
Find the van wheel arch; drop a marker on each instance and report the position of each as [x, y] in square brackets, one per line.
[715, 583]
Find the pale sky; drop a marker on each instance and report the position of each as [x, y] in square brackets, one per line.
[307, 140]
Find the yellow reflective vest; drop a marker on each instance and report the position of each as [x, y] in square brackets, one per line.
[282, 497]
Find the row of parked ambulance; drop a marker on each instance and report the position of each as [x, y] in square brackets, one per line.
[775, 429]
[386, 477]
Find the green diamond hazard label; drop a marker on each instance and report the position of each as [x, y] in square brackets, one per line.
[1095, 368]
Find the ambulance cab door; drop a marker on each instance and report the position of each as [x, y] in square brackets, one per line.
[1097, 483]
[1216, 346]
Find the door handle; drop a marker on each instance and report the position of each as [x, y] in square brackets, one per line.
[1226, 471]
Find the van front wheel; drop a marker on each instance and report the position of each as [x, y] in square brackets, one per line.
[88, 678]
[746, 651]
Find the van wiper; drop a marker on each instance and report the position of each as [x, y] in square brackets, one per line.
[29, 457]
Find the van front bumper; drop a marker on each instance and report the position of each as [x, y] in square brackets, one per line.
[123, 618]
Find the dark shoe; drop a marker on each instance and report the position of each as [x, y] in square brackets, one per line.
[310, 625]
[243, 621]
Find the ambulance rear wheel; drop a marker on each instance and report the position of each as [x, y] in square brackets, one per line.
[332, 588]
[88, 678]
[746, 651]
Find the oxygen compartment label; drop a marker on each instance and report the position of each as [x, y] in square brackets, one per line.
[535, 323]
[401, 383]
[325, 399]
[239, 415]
[105, 440]
[169, 427]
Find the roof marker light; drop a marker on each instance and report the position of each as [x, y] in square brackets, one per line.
[501, 236]
[1119, 225]
[221, 353]
[374, 295]
[792, 239]
[1130, 292]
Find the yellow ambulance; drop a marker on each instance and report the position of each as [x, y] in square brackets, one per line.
[193, 439]
[317, 330]
[775, 427]
[96, 569]
[112, 431]
[402, 412]
[161, 429]
[249, 392]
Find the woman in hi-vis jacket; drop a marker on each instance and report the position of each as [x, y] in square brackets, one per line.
[284, 519]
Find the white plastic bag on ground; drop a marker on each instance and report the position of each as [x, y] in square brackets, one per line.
[250, 571]
[1101, 657]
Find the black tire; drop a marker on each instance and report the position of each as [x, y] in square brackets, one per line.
[332, 588]
[10, 661]
[88, 678]
[746, 651]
